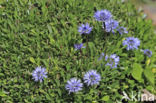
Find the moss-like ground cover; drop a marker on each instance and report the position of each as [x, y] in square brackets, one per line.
[43, 33]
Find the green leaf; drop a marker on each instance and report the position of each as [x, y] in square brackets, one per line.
[150, 88]
[91, 48]
[149, 75]
[2, 94]
[49, 28]
[1, 75]
[137, 72]
[2, 1]
[105, 98]
[32, 59]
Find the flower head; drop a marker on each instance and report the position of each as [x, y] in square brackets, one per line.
[78, 46]
[102, 15]
[39, 74]
[111, 25]
[122, 30]
[131, 43]
[84, 29]
[74, 85]
[148, 52]
[112, 60]
[92, 77]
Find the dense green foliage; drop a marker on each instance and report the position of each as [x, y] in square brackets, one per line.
[147, 1]
[42, 33]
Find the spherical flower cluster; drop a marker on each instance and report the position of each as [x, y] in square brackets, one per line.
[39, 74]
[122, 30]
[102, 15]
[78, 46]
[131, 43]
[111, 25]
[112, 60]
[74, 85]
[147, 52]
[92, 78]
[84, 29]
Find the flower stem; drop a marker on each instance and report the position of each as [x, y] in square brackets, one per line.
[105, 33]
[87, 45]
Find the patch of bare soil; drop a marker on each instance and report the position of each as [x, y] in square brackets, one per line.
[151, 12]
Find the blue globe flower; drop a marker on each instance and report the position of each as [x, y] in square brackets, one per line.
[92, 78]
[112, 60]
[39, 74]
[111, 25]
[102, 15]
[131, 43]
[122, 30]
[74, 85]
[147, 52]
[84, 29]
[78, 46]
